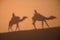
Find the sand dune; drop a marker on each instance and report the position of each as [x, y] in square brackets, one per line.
[40, 34]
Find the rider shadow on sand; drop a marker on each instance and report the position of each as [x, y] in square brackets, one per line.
[38, 17]
[15, 20]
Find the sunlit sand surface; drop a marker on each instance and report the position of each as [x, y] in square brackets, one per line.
[26, 8]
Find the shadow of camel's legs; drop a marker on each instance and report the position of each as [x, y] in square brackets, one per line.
[34, 24]
[42, 24]
[10, 28]
[46, 23]
[17, 27]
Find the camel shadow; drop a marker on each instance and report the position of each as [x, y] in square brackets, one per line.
[15, 20]
[38, 17]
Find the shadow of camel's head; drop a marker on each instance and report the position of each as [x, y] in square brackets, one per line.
[52, 17]
[25, 17]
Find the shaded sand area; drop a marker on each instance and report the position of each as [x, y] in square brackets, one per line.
[40, 34]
